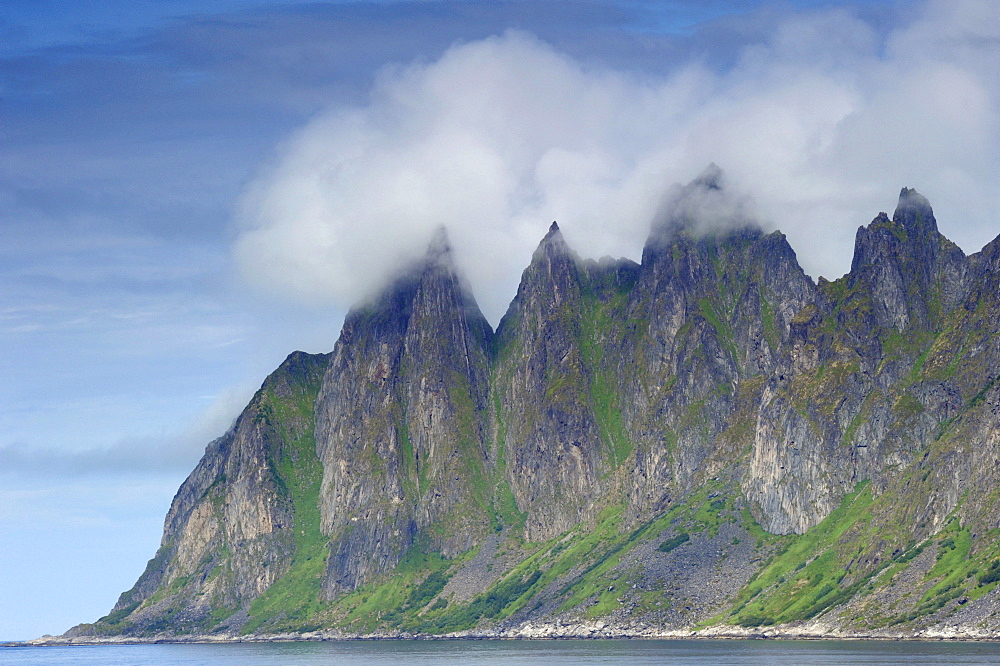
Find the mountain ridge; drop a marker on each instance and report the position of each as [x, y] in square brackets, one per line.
[627, 435]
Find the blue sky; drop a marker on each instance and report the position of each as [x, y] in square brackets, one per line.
[189, 191]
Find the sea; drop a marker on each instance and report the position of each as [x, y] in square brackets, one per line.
[508, 652]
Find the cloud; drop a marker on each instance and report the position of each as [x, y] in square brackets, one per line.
[821, 121]
[703, 206]
[176, 452]
[490, 140]
[125, 456]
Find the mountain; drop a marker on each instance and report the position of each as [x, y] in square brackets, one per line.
[705, 441]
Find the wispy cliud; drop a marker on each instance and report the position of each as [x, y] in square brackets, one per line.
[499, 137]
[704, 206]
[169, 452]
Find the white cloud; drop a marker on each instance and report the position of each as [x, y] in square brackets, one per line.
[821, 123]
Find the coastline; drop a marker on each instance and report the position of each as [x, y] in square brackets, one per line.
[596, 630]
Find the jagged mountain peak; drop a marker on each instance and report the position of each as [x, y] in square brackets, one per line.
[711, 178]
[552, 244]
[911, 272]
[437, 255]
[432, 283]
[704, 207]
[915, 214]
[554, 266]
[912, 231]
[912, 220]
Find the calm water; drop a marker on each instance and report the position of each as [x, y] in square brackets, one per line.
[411, 653]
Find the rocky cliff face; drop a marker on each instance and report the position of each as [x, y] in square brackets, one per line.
[547, 430]
[813, 450]
[401, 425]
[230, 531]
[832, 415]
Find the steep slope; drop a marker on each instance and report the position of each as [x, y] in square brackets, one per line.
[548, 433]
[401, 425]
[839, 409]
[243, 520]
[707, 440]
[717, 308]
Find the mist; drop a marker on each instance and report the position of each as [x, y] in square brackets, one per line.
[816, 126]
[167, 452]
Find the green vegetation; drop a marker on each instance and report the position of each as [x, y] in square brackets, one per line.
[767, 320]
[673, 542]
[293, 601]
[810, 574]
[600, 313]
[403, 603]
[702, 513]
[489, 605]
[952, 576]
[115, 618]
[991, 575]
[723, 330]
[428, 589]
[411, 478]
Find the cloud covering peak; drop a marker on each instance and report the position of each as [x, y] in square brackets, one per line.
[703, 206]
[820, 121]
[491, 140]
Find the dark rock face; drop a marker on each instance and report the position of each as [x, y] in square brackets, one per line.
[912, 274]
[401, 424]
[713, 379]
[550, 437]
[719, 310]
[867, 328]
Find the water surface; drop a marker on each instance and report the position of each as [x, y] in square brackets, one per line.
[414, 653]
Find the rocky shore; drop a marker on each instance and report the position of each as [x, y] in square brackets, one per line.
[555, 630]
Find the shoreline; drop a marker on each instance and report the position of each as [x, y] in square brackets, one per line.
[526, 633]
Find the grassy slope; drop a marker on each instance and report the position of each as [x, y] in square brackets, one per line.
[292, 601]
